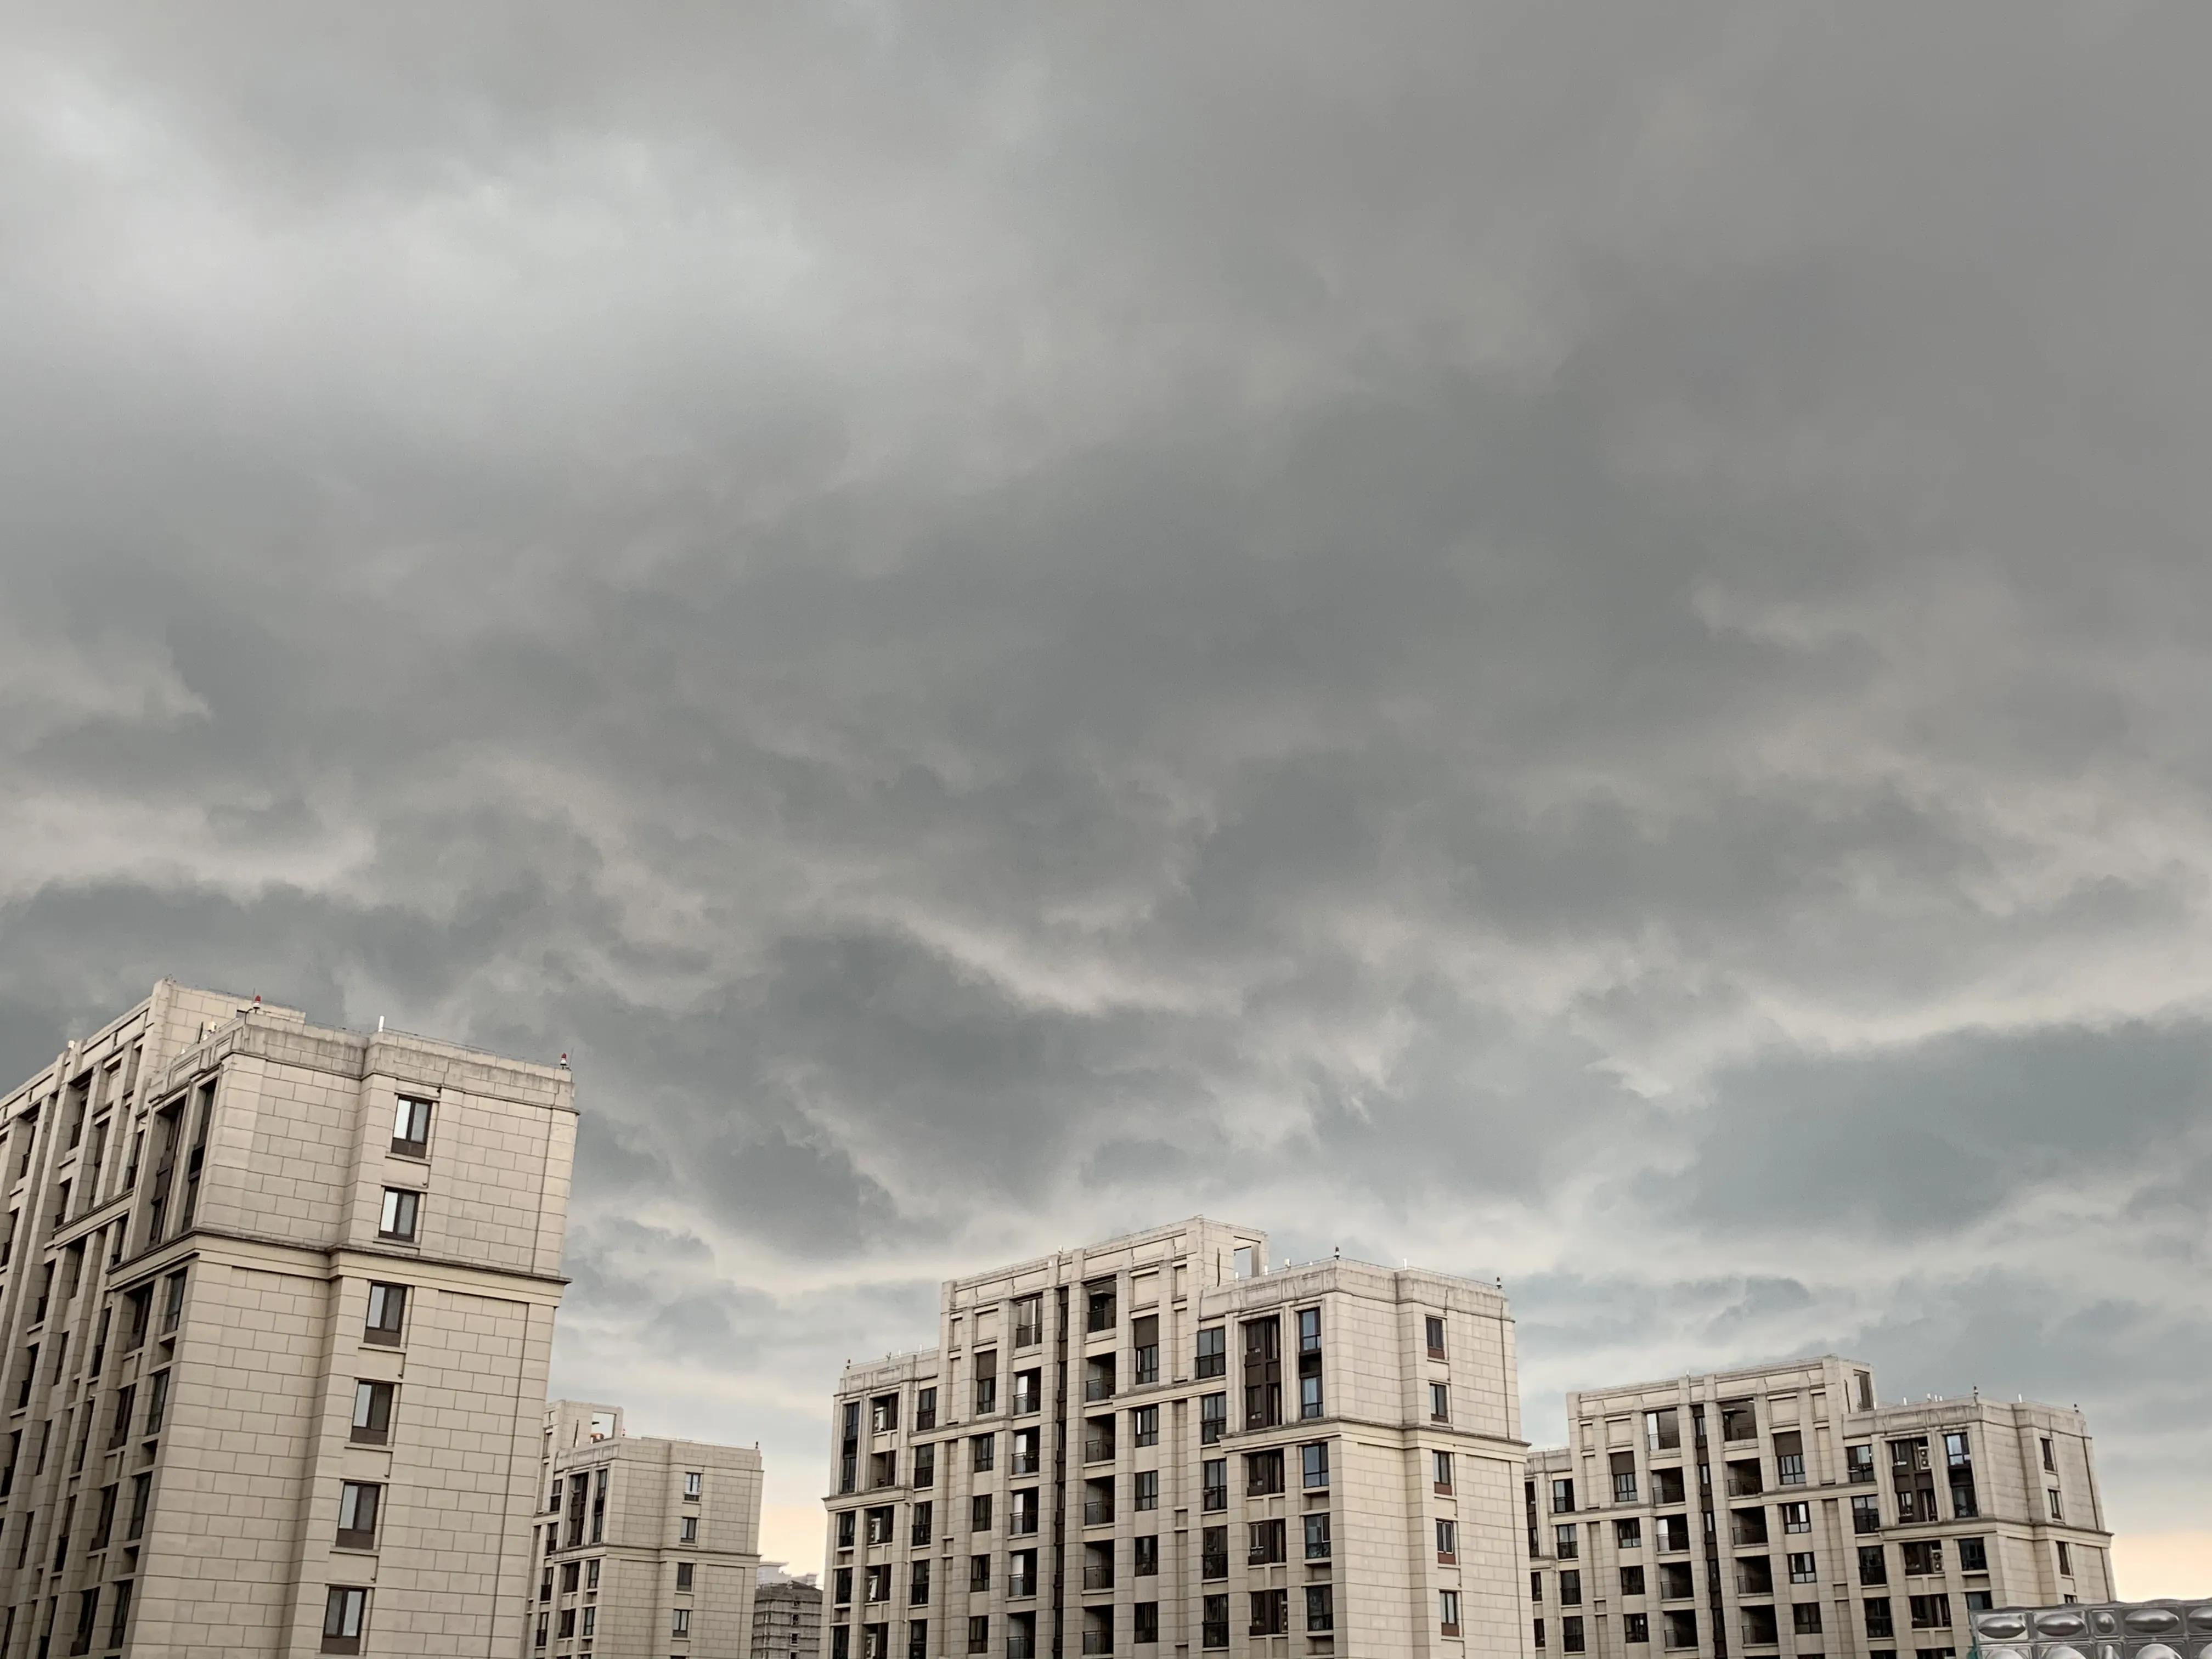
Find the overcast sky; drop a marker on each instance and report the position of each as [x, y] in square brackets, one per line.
[1563, 640]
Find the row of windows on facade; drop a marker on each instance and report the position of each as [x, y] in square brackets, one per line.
[91, 1606]
[1264, 1476]
[1269, 1615]
[138, 1317]
[1913, 1479]
[1760, 1626]
[570, 1623]
[575, 1522]
[1267, 1543]
[1922, 1557]
[399, 1216]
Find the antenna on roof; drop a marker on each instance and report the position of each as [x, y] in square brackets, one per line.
[380, 1022]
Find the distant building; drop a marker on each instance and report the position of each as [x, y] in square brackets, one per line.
[644, 1546]
[1779, 1510]
[1160, 1444]
[786, 1616]
[272, 1296]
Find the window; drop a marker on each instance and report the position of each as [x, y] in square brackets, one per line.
[1145, 1425]
[1317, 1545]
[357, 1505]
[1676, 1583]
[847, 1526]
[1874, 1564]
[2057, 1509]
[157, 1402]
[1435, 1334]
[841, 1588]
[920, 1531]
[1448, 1612]
[1539, 1635]
[1681, 1629]
[1877, 1617]
[1622, 1465]
[1866, 1513]
[1024, 1520]
[979, 1512]
[1145, 1555]
[1931, 1612]
[1214, 1622]
[1796, 1517]
[1439, 1402]
[1805, 1618]
[372, 1414]
[403, 1213]
[876, 1585]
[1148, 1489]
[1790, 1458]
[1973, 1555]
[1858, 1464]
[1803, 1570]
[345, 1610]
[1571, 1634]
[2050, 1456]
[1440, 1471]
[986, 1381]
[118, 1624]
[1631, 1581]
[387, 1314]
[1321, 1607]
[687, 1530]
[1979, 1602]
[1263, 1373]
[1636, 1628]
[1264, 1543]
[1448, 1543]
[1214, 1553]
[1570, 1587]
[982, 1451]
[878, 1524]
[1628, 1534]
[1308, 1330]
[1924, 1556]
[1667, 1486]
[1313, 1465]
[679, 1621]
[2065, 1559]
[925, 1409]
[1212, 1418]
[1563, 1497]
[1212, 1360]
[925, 1466]
[1263, 1473]
[410, 1127]
[126, 1399]
[1674, 1533]
[1566, 1549]
[1271, 1613]
[979, 1633]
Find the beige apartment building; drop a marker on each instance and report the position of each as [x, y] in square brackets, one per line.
[1162, 1444]
[786, 1616]
[1782, 1512]
[645, 1546]
[276, 1305]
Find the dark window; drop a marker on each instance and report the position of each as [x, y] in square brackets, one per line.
[1628, 1534]
[1805, 1618]
[1213, 1418]
[387, 1314]
[1565, 1547]
[1790, 1459]
[1313, 1465]
[1858, 1464]
[410, 1127]
[1436, 1335]
[1973, 1555]
[1321, 1607]
[986, 1381]
[1877, 1616]
[1636, 1627]
[925, 1466]
[1631, 1581]
[118, 1624]
[1622, 1465]
[1263, 1473]
[357, 1507]
[1212, 1360]
[1803, 1568]
[1265, 1543]
[1570, 1587]
[918, 1532]
[1563, 1497]
[1570, 1635]
[1317, 1543]
[1263, 1373]
[1923, 1555]
[979, 1512]
[1214, 1553]
[1866, 1513]
[1214, 1622]
[1440, 1471]
[1931, 1612]
[345, 1610]
[882, 1413]
[402, 1215]
[1271, 1613]
[925, 1409]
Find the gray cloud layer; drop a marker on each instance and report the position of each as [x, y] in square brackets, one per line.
[1562, 641]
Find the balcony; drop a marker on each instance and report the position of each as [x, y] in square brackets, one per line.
[1099, 1449]
[1020, 1585]
[1098, 1641]
[1025, 1463]
[1098, 1575]
[1098, 1512]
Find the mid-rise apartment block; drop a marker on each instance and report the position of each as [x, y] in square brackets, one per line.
[786, 1617]
[1162, 1444]
[644, 1546]
[275, 1306]
[1782, 1512]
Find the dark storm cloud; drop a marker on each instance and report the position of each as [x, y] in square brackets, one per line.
[1563, 640]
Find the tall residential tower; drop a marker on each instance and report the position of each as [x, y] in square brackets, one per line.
[275, 1307]
[1781, 1512]
[1161, 1443]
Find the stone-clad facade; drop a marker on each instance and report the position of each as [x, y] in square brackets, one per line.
[1159, 1445]
[275, 1311]
[645, 1546]
[1781, 1512]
